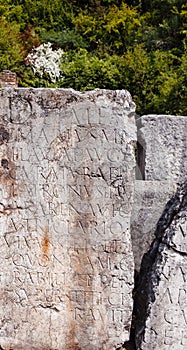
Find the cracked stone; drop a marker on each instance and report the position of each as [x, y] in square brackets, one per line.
[161, 300]
[66, 257]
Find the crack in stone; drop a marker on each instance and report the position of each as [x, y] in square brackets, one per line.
[177, 251]
[148, 279]
[47, 307]
[165, 241]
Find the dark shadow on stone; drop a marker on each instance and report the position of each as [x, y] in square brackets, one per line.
[140, 162]
[129, 345]
[143, 290]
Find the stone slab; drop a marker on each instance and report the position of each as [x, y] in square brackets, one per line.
[150, 199]
[162, 147]
[161, 299]
[66, 193]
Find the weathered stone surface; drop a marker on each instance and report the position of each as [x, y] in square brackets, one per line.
[161, 164]
[161, 299]
[66, 189]
[150, 198]
[162, 147]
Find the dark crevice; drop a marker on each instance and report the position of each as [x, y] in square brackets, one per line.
[140, 161]
[4, 163]
[178, 251]
[143, 292]
[10, 109]
[51, 307]
[4, 135]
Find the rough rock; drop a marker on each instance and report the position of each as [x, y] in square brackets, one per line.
[162, 148]
[161, 298]
[161, 165]
[66, 193]
[150, 198]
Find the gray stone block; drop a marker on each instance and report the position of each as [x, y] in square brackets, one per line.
[161, 299]
[66, 193]
[162, 147]
[150, 198]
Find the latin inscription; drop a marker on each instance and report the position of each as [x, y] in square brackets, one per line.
[66, 184]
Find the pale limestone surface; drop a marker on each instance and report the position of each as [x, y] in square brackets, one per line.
[161, 301]
[163, 139]
[66, 192]
[161, 291]
[150, 198]
[161, 165]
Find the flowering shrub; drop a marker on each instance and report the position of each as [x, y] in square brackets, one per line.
[45, 61]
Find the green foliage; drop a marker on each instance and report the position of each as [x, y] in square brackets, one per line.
[139, 45]
[112, 30]
[28, 79]
[83, 71]
[50, 14]
[11, 48]
[165, 21]
[177, 98]
[153, 79]
[66, 39]
[121, 25]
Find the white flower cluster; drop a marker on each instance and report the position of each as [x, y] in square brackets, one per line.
[44, 60]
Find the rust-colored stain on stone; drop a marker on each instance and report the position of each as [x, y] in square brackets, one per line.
[72, 344]
[7, 167]
[75, 347]
[45, 245]
[8, 177]
[62, 223]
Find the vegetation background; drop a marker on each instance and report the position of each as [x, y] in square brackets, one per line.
[138, 45]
